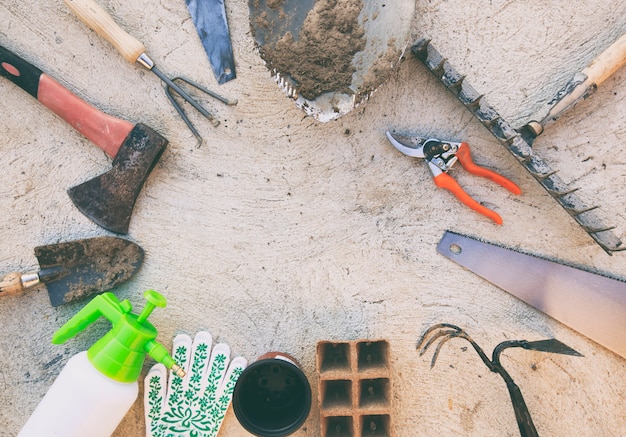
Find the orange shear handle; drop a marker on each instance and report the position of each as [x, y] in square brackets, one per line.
[444, 180]
[465, 158]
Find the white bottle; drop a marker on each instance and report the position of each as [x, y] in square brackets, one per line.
[96, 388]
[82, 402]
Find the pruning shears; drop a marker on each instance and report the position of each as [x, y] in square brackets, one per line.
[441, 156]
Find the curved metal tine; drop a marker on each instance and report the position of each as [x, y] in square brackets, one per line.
[426, 333]
[466, 337]
[442, 342]
[433, 328]
[169, 83]
[453, 331]
[207, 91]
[182, 114]
[171, 86]
[447, 331]
[437, 336]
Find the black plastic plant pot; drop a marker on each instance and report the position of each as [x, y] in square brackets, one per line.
[272, 397]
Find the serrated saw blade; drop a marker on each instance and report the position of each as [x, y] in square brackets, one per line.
[590, 303]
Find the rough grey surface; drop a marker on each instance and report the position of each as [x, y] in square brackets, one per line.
[281, 231]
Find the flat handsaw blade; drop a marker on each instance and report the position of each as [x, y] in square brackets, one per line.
[209, 17]
[590, 303]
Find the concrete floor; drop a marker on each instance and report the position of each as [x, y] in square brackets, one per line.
[281, 231]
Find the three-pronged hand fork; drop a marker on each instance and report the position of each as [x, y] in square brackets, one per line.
[133, 50]
[445, 331]
[173, 86]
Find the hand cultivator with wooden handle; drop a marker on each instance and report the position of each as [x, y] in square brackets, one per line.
[134, 52]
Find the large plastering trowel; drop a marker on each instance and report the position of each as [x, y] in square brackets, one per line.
[330, 55]
[77, 269]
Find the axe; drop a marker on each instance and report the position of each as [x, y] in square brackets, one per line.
[108, 199]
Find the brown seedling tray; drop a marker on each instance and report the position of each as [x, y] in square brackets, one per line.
[354, 388]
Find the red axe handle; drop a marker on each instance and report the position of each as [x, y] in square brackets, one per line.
[105, 131]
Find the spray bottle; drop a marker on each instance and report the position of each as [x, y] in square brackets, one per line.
[97, 387]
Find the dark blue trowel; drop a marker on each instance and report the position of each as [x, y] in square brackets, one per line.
[209, 17]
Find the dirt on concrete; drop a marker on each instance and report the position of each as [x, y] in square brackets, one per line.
[281, 231]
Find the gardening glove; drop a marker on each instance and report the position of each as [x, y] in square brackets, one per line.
[195, 405]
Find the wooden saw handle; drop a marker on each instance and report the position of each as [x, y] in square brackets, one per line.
[11, 284]
[103, 24]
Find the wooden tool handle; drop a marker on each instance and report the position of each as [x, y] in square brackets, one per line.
[608, 62]
[587, 81]
[102, 23]
[11, 284]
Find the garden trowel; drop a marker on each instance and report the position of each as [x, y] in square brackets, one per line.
[331, 55]
[77, 269]
[209, 17]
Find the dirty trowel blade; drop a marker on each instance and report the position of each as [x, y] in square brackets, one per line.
[84, 267]
[329, 56]
[209, 17]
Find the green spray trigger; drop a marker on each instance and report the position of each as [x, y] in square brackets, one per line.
[121, 352]
[154, 299]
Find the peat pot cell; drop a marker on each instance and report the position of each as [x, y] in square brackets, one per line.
[375, 425]
[374, 393]
[337, 394]
[334, 356]
[373, 355]
[338, 426]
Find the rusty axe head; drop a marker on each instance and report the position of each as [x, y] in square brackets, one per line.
[109, 199]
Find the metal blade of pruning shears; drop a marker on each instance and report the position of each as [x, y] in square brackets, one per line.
[408, 145]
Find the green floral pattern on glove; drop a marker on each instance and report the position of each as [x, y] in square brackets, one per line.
[193, 406]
